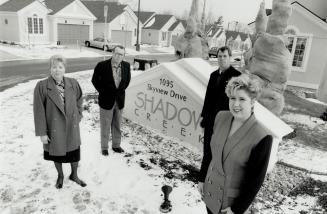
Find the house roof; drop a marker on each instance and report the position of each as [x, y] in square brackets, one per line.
[234, 34]
[183, 22]
[269, 11]
[159, 21]
[315, 14]
[96, 7]
[214, 29]
[56, 5]
[144, 16]
[173, 26]
[15, 5]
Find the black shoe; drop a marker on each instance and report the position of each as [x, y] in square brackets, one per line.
[105, 152]
[59, 182]
[78, 181]
[118, 150]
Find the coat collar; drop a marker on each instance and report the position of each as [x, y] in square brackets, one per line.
[237, 137]
[54, 94]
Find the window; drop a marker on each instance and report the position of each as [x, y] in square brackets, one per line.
[6, 21]
[135, 33]
[35, 25]
[29, 25]
[41, 25]
[164, 36]
[297, 46]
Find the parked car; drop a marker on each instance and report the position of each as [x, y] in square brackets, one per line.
[100, 43]
[213, 52]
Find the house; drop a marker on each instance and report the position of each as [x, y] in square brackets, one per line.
[121, 23]
[176, 30]
[145, 16]
[45, 22]
[156, 31]
[237, 40]
[216, 36]
[307, 42]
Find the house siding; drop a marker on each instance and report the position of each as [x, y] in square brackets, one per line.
[34, 10]
[152, 39]
[9, 32]
[124, 20]
[316, 54]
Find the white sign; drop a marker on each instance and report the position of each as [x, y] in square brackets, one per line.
[169, 98]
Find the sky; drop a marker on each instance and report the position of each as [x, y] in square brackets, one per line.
[243, 11]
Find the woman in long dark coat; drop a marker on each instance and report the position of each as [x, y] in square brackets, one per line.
[57, 113]
[240, 148]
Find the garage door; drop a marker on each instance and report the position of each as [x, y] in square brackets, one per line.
[122, 37]
[70, 34]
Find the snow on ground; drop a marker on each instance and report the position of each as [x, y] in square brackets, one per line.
[115, 185]
[46, 51]
[119, 183]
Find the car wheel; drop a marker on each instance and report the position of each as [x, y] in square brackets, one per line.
[87, 44]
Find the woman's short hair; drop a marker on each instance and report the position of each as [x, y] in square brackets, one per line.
[57, 58]
[244, 82]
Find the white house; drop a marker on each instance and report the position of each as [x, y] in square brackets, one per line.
[237, 40]
[175, 30]
[44, 22]
[156, 31]
[307, 36]
[145, 16]
[121, 22]
[216, 36]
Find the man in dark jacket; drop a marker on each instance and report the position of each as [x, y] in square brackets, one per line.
[215, 100]
[111, 78]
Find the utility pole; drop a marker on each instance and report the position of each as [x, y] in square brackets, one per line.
[138, 27]
[105, 14]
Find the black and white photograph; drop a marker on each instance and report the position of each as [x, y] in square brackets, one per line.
[163, 106]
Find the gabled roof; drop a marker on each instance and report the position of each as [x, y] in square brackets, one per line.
[145, 16]
[159, 21]
[213, 30]
[234, 34]
[56, 5]
[15, 5]
[269, 11]
[96, 7]
[322, 18]
[173, 26]
[221, 32]
[183, 22]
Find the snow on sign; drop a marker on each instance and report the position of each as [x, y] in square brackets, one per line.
[169, 98]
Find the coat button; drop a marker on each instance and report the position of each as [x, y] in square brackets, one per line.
[54, 130]
[211, 168]
[210, 182]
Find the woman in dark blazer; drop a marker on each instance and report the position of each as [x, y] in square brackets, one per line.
[240, 148]
[57, 113]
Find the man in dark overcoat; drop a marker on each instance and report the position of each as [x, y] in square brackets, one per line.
[111, 78]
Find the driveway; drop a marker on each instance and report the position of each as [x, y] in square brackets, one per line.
[6, 56]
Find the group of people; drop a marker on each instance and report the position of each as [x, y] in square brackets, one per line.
[236, 146]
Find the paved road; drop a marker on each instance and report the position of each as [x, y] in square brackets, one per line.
[13, 72]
